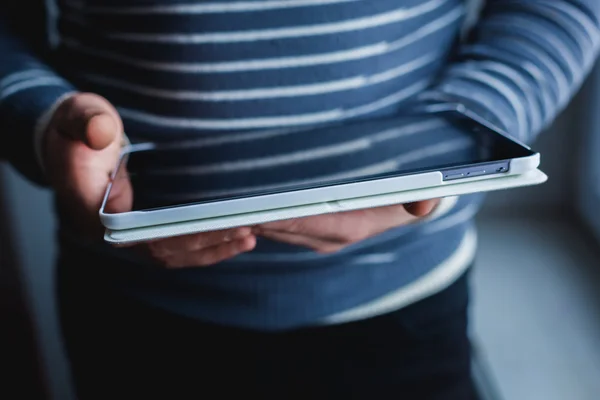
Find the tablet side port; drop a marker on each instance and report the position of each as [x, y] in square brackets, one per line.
[452, 174]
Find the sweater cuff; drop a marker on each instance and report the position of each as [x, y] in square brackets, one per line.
[25, 111]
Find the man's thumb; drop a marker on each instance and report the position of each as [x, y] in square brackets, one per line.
[91, 119]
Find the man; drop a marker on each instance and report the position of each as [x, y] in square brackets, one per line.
[367, 304]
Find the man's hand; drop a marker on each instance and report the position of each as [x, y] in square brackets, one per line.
[332, 232]
[81, 147]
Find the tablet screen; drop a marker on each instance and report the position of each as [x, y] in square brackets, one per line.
[229, 166]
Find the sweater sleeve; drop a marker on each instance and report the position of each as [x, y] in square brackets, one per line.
[523, 62]
[29, 87]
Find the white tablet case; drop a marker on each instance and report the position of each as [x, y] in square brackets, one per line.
[533, 177]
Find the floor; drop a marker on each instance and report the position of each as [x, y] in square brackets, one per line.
[537, 309]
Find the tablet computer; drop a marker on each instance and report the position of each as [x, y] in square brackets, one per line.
[499, 162]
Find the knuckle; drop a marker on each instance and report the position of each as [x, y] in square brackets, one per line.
[194, 246]
[78, 102]
[295, 225]
[199, 243]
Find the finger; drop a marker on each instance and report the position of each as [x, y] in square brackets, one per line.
[120, 198]
[313, 243]
[195, 242]
[89, 118]
[421, 208]
[346, 227]
[85, 183]
[318, 225]
[211, 255]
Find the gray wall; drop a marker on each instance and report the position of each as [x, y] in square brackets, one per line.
[589, 183]
[32, 224]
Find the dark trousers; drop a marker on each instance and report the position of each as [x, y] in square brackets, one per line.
[120, 349]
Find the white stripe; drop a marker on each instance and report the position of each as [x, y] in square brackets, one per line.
[236, 66]
[455, 92]
[547, 93]
[204, 7]
[544, 59]
[21, 75]
[387, 101]
[273, 122]
[227, 139]
[233, 123]
[357, 53]
[517, 79]
[550, 40]
[30, 84]
[403, 69]
[501, 88]
[578, 16]
[390, 165]
[429, 28]
[304, 155]
[352, 83]
[351, 25]
[559, 19]
[459, 217]
[591, 35]
[382, 258]
[433, 282]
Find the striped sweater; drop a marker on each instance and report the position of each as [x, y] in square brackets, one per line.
[272, 92]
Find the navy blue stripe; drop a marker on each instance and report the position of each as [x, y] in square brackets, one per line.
[245, 50]
[280, 106]
[143, 131]
[515, 63]
[258, 78]
[227, 22]
[536, 40]
[509, 47]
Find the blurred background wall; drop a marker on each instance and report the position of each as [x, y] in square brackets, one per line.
[537, 281]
